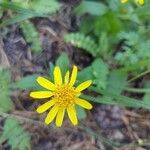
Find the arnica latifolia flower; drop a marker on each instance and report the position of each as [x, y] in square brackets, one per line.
[64, 96]
[141, 2]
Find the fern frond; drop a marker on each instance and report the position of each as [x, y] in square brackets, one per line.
[15, 135]
[5, 101]
[31, 35]
[81, 41]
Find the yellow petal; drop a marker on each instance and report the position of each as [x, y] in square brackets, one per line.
[57, 75]
[67, 77]
[83, 85]
[73, 75]
[72, 115]
[141, 2]
[46, 106]
[45, 83]
[83, 103]
[124, 1]
[60, 117]
[51, 115]
[41, 94]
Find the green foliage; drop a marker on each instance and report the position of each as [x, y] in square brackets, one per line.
[31, 35]
[63, 62]
[15, 135]
[116, 82]
[27, 82]
[97, 72]
[146, 97]
[82, 41]
[44, 6]
[40, 6]
[5, 101]
[28, 9]
[135, 48]
[107, 21]
[100, 72]
[81, 114]
[94, 8]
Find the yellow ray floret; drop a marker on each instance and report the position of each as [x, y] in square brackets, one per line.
[124, 1]
[64, 96]
[141, 2]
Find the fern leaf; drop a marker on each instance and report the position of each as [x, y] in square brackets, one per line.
[31, 35]
[5, 102]
[81, 41]
[15, 135]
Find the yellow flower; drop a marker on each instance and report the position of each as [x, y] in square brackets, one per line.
[141, 2]
[64, 96]
[124, 1]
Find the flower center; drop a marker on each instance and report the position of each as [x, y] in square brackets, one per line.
[65, 95]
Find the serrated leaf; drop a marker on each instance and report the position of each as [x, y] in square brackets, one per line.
[5, 101]
[82, 41]
[103, 44]
[15, 135]
[31, 36]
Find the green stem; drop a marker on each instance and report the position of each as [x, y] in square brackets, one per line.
[136, 66]
[137, 90]
[117, 99]
[138, 76]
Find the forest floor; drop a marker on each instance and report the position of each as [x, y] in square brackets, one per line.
[114, 123]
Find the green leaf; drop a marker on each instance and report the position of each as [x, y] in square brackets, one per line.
[15, 135]
[5, 101]
[109, 23]
[115, 99]
[103, 45]
[51, 70]
[100, 72]
[85, 74]
[14, 7]
[82, 41]
[15, 19]
[81, 114]
[63, 62]
[143, 11]
[146, 97]
[116, 82]
[91, 7]
[31, 36]
[44, 6]
[26, 83]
